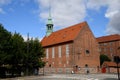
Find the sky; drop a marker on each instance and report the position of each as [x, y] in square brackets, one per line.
[30, 16]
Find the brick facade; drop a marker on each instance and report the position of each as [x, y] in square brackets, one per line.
[108, 45]
[78, 49]
[86, 41]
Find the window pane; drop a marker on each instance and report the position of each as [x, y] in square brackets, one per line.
[53, 53]
[47, 54]
[67, 50]
[59, 51]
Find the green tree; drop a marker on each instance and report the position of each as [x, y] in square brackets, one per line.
[4, 48]
[35, 53]
[104, 58]
[16, 53]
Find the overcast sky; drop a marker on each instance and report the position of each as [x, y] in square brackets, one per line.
[30, 16]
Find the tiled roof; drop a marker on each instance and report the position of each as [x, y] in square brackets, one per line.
[108, 38]
[63, 35]
[110, 64]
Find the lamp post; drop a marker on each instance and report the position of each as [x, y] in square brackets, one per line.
[118, 72]
[43, 71]
[118, 64]
[117, 60]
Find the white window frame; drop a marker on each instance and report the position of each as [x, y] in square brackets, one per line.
[47, 53]
[53, 52]
[67, 50]
[59, 51]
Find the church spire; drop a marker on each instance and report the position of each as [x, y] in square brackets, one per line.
[49, 24]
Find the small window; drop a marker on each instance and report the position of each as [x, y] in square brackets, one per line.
[86, 65]
[87, 51]
[49, 65]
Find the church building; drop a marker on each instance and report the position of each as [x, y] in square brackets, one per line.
[72, 49]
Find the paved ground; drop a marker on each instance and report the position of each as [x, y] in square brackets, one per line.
[68, 77]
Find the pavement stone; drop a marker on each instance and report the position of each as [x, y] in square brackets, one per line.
[68, 77]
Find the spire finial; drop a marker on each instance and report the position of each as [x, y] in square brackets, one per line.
[49, 8]
[49, 22]
[49, 16]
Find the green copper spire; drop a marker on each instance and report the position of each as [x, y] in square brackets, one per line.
[49, 19]
[49, 24]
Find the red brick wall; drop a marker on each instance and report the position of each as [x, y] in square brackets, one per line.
[59, 62]
[86, 41]
[110, 48]
[77, 52]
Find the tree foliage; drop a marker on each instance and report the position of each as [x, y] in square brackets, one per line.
[17, 55]
[34, 55]
[4, 43]
[104, 58]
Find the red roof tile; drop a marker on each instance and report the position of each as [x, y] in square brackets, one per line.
[63, 35]
[108, 38]
[110, 64]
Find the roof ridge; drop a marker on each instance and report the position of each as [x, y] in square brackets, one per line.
[109, 35]
[84, 22]
[108, 38]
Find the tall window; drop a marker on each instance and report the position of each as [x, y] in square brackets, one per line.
[67, 50]
[59, 51]
[53, 52]
[47, 54]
